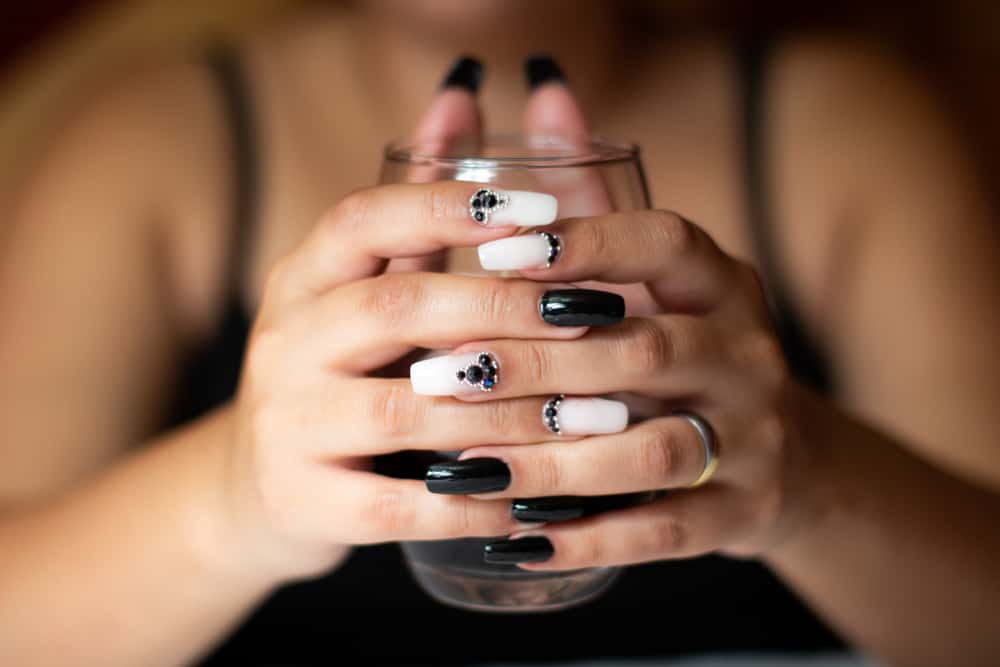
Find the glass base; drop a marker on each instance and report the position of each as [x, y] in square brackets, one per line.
[454, 573]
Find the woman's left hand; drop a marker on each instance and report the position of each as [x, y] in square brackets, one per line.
[710, 351]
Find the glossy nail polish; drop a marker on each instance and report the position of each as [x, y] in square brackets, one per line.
[465, 73]
[527, 251]
[540, 68]
[455, 374]
[581, 308]
[468, 476]
[523, 550]
[584, 416]
[553, 508]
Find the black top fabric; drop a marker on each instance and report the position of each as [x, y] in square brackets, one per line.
[370, 611]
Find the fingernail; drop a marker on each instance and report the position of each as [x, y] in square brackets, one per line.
[540, 68]
[455, 374]
[523, 550]
[512, 207]
[554, 508]
[468, 476]
[466, 73]
[529, 251]
[584, 416]
[581, 308]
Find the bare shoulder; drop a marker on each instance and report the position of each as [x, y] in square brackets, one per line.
[142, 159]
[857, 139]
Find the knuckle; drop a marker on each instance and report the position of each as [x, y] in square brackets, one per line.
[660, 454]
[588, 549]
[353, 211]
[392, 411]
[496, 303]
[536, 365]
[762, 352]
[501, 417]
[598, 240]
[649, 347]
[668, 535]
[439, 203]
[677, 233]
[388, 512]
[548, 470]
[774, 437]
[390, 297]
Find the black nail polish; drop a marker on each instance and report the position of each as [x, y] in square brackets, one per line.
[468, 476]
[524, 550]
[553, 508]
[581, 308]
[540, 68]
[465, 73]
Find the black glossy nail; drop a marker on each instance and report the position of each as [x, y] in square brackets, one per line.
[581, 308]
[465, 73]
[468, 476]
[524, 550]
[553, 508]
[540, 68]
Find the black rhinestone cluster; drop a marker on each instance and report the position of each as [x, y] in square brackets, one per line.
[550, 413]
[485, 373]
[486, 202]
[555, 246]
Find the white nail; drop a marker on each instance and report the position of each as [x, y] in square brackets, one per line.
[526, 209]
[590, 416]
[439, 376]
[529, 251]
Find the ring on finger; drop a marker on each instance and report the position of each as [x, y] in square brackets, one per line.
[710, 444]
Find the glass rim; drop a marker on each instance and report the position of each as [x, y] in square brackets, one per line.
[597, 150]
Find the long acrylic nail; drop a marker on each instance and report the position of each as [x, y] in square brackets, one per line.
[455, 374]
[581, 308]
[521, 550]
[584, 416]
[528, 251]
[468, 476]
[512, 207]
[465, 73]
[540, 68]
[553, 508]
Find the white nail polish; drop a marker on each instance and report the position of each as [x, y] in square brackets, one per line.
[526, 209]
[455, 374]
[529, 251]
[591, 416]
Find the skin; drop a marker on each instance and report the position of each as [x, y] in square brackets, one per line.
[876, 508]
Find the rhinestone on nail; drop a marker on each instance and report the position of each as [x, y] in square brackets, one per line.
[486, 202]
[555, 247]
[485, 373]
[550, 414]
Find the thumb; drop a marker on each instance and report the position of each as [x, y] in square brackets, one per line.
[552, 111]
[452, 118]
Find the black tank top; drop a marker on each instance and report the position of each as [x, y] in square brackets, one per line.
[370, 611]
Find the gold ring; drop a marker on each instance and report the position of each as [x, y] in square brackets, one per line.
[708, 441]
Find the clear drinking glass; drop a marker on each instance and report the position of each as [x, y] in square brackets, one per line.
[588, 178]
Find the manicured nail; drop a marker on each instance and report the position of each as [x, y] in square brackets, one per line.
[528, 251]
[584, 416]
[466, 73]
[468, 476]
[540, 68]
[522, 550]
[553, 508]
[455, 374]
[581, 308]
[512, 207]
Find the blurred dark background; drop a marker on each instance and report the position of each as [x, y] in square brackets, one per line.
[50, 49]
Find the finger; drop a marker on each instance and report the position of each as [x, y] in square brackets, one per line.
[373, 508]
[663, 453]
[684, 268]
[383, 416]
[667, 356]
[453, 118]
[421, 310]
[680, 525]
[552, 111]
[357, 236]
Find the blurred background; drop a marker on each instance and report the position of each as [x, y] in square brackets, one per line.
[53, 51]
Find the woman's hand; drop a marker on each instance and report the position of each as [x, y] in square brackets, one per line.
[308, 415]
[710, 350]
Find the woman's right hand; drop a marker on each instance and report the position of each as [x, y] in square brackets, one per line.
[309, 417]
